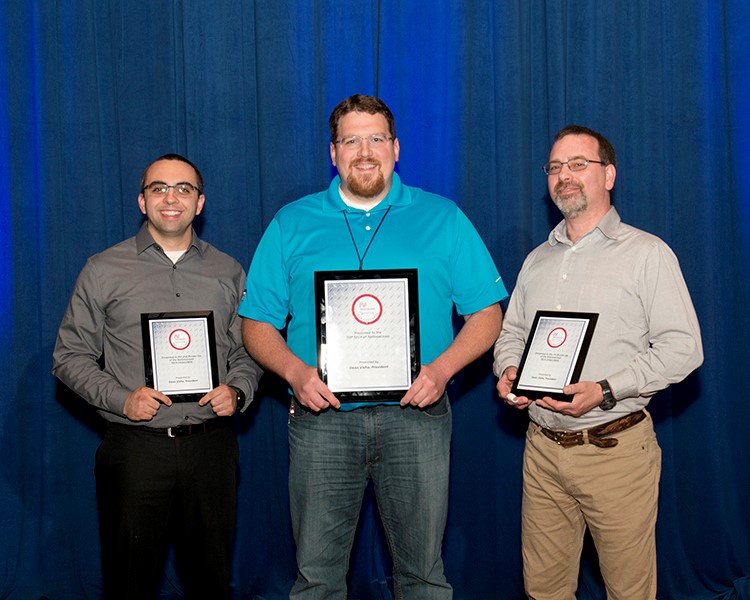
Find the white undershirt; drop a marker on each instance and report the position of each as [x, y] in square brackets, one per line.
[174, 255]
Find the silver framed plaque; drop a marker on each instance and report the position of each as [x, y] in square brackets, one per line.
[554, 354]
[368, 333]
[179, 353]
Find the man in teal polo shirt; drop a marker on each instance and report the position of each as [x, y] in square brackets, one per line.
[367, 219]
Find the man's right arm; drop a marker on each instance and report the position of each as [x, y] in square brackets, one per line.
[509, 347]
[267, 346]
[79, 348]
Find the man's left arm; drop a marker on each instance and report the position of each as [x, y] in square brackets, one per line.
[675, 348]
[479, 332]
[674, 342]
[243, 373]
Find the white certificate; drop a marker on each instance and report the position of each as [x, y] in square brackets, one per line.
[554, 353]
[367, 333]
[180, 353]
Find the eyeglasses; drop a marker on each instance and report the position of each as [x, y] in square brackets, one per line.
[376, 140]
[574, 164]
[181, 190]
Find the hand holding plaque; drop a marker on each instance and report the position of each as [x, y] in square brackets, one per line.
[179, 352]
[554, 355]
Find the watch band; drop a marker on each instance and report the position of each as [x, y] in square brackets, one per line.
[609, 401]
[240, 397]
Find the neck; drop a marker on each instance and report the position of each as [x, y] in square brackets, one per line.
[174, 243]
[578, 226]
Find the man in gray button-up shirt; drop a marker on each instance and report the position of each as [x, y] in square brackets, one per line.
[160, 459]
[594, 461]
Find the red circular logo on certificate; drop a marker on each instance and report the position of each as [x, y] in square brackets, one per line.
[557, 337]
[367, 309]
[179, 339]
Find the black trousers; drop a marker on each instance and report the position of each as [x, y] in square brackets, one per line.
[154, 490]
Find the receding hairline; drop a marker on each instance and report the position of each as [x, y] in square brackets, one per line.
[177, 158]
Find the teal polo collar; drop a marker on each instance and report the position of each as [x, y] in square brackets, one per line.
[399, 195]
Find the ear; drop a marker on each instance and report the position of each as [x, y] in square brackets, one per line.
[396, 148]
[611, 175]
[142, 203]
[333, 153]
[201, 202]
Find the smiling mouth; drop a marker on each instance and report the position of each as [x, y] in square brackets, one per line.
[365, 165]
[567, 190]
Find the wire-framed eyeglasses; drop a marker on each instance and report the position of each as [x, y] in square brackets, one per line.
[181, 190]
[579, 163]
[374, 140]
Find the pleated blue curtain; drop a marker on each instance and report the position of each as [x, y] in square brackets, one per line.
[90, 92]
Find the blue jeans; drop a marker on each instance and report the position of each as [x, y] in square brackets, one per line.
[405, 451]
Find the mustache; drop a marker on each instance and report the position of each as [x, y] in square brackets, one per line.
[367, 161]
[561, 184]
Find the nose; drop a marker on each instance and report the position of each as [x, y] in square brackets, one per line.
[171, 195]
[364, 148]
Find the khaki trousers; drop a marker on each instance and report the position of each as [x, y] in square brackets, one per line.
[613, 491]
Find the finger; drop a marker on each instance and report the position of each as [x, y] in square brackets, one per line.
[162, 398]
[315, 403]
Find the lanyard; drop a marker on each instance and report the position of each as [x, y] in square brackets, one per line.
[356, 248]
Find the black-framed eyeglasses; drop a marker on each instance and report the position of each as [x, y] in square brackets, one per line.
[579, 163]
[182, 189]
[355, 141]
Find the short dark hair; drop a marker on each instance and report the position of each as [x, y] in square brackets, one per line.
[606, 150]
[359, 103]
[172, 156]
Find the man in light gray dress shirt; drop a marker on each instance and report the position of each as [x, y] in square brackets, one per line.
[594, 462]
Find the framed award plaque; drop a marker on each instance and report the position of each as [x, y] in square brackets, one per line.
[554, 354]
[368, 333]
[179, 353]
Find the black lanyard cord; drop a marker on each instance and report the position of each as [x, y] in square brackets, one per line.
[372, 239]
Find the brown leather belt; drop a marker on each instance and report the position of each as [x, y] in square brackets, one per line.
[595, 435]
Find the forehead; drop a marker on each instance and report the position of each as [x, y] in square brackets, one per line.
[171, 171]
[355, 123]
[575, 145]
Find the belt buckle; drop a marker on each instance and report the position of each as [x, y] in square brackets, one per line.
[179, 431]
[568, 439]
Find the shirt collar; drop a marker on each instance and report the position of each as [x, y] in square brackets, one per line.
[399, 195]
[608, 225]
[144, 240]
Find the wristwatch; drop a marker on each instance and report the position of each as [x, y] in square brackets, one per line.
[609, 400]
[240, 397]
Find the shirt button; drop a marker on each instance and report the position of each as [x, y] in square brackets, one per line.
[565, 276]
[177, 294]
[367, 214]
[559, 307]
[367, 228]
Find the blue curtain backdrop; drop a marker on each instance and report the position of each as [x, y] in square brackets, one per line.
[92, 90]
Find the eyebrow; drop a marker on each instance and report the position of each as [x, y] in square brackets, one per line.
[195, 185]
[571, 158]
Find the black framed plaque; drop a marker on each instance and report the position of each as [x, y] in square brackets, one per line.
[367, 326]
[554, 354]
[179, 353]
